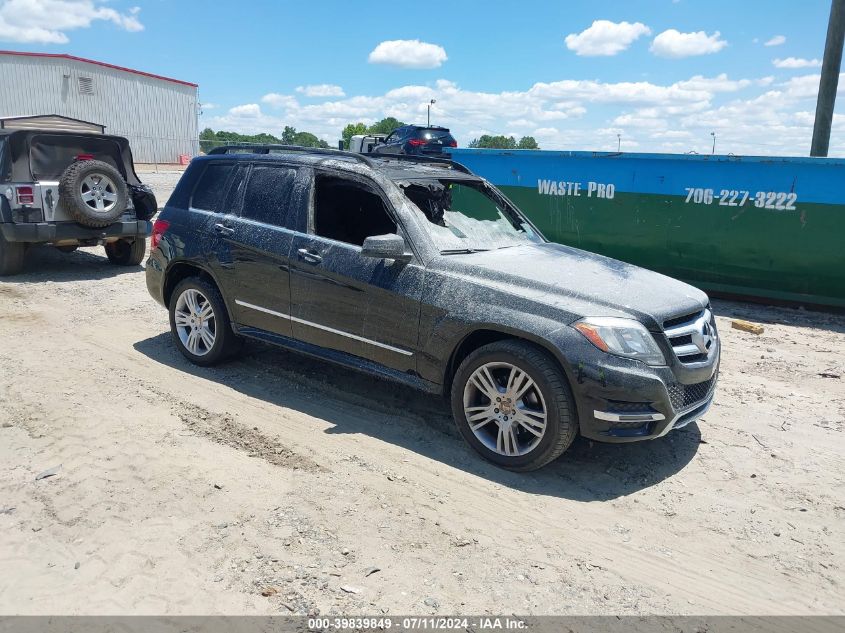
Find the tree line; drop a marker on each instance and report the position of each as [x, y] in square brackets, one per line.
[210, 139]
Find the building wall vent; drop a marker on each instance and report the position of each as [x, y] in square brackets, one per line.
[86, 86]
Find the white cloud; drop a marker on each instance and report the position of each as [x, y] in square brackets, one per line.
[797, 62]
[277, 100]
[673, 43]
[408, 54]
[209, 106]
[321, 90]
[719, 83]
[247, 111]
[777, 40]
[605, 38]
[48, 21]
[803, 86]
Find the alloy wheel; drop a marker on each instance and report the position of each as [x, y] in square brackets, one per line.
[195, 322]
[505, 409]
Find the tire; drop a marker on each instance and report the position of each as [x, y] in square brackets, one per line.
[11, 256]
[505, 437]
[93, 192]
[126, 253]
[225, 344]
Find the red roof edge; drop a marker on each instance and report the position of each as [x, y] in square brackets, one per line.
[96, 63]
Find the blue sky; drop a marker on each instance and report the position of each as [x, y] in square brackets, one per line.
[663, 74]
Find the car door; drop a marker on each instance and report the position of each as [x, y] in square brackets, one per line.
[214, 205]
[343, 301]
[271, 209]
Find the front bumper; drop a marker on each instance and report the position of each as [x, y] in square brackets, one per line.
[41, 232]
[622, 400]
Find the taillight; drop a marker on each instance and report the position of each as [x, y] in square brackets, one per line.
[416, 142]
[453, 144]
[159, 227]
[25, 195]
[85, 157]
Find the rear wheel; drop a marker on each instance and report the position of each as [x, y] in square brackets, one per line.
[126, 253]
[11, 256]
[513, 405]
[199, 323]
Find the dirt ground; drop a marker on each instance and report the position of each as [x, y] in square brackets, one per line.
[278, 484]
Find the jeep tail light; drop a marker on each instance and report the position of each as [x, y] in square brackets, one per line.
[416, 142]
[85, 157]
[453, 144]
[159, 228]
[25, 195]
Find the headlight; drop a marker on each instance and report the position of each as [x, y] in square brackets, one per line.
[622, 337]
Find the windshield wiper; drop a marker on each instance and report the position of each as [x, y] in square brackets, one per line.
[463, 251]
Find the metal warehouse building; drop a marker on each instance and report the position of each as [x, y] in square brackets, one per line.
[157, 114]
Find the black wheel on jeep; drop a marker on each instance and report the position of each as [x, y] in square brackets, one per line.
[512, 404]
[199, 323]
[93, 192]
[11, 256]
[127, 253]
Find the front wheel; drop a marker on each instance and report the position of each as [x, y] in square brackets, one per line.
[512, 404]
[199, 323]
[127, 253]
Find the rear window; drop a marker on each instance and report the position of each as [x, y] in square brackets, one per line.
[51, 155]
[212, 184]
[432, 134]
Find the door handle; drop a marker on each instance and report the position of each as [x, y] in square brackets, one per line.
[308, 256]
[224, 230]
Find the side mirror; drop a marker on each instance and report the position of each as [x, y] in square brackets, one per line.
[390, 246]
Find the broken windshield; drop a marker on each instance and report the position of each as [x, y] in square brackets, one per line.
[467, 216]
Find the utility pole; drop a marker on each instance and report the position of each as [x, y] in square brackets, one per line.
[830, 79]
[619, 143]
[713, 134]
[430, 103]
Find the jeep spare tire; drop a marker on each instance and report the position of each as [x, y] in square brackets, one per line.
[93, 192]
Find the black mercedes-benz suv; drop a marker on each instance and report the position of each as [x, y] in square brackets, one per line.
[419, 271]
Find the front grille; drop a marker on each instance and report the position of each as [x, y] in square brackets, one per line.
[691, 336]
[685, 396]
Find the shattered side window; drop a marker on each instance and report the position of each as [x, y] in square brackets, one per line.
[465, 216]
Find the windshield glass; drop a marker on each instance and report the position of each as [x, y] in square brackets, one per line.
[467, 216]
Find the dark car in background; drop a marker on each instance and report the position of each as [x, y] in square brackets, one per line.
[71, 189]
[418, 140]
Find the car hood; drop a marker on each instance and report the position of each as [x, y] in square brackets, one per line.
[579, 282]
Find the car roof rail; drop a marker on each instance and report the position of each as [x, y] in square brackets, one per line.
[267, 148]
[412, 158]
